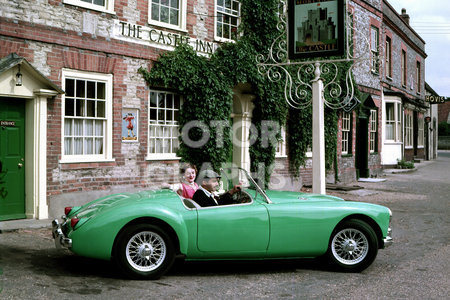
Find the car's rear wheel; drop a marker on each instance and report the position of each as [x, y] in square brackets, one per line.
[144, 251]
[353, 246]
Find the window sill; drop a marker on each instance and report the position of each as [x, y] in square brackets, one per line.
[347, 155]
[223, 40]
[85, 5]
[167, 26]
[85, 160]
[391, 142]
[409, 147]
[161, 157]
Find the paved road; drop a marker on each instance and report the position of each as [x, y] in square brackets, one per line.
[415, 267]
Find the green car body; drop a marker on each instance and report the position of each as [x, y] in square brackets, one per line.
[288, 225]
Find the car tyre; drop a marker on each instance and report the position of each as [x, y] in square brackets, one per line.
[353, 246]
[144, 251]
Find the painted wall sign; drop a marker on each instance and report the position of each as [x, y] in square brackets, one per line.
[434, 99]
[159, 39]
[7, 123]
[129, 122]
[316, 28]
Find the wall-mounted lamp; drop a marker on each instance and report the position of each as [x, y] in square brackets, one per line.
[19, 78]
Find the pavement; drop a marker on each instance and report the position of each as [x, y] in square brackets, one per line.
[14, 225]
[416, 166]
[23, 224]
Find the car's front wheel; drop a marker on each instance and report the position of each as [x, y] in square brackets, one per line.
[144, 251]
[353, 246]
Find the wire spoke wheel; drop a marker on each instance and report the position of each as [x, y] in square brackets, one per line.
[350, 246]
[146, 251]
[353, 246]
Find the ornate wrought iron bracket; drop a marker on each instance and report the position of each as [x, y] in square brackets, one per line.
[298, 75]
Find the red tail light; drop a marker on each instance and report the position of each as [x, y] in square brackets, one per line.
[67, 210]
[74, 222]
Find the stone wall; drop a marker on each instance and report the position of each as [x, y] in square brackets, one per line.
[54, 36]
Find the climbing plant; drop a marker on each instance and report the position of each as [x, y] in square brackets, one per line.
[206, 85]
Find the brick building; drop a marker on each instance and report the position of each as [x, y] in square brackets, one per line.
[403, 80]
[84, 123]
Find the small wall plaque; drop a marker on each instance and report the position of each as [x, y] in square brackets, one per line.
[130, 128]
[5, 123]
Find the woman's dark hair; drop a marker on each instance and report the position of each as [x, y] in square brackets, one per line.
[186, 166]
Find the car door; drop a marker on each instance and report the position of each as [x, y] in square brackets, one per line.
[233, 228]
[300, 228]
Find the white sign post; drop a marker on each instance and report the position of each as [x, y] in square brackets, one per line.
[306, 86]
[318, 147]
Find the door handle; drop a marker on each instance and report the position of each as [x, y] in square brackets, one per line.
[20, 165]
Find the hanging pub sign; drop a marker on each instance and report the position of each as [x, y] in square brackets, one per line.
[316, 28]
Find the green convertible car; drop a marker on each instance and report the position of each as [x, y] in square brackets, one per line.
[143, 232]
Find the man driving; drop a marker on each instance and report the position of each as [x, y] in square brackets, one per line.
[209, 182]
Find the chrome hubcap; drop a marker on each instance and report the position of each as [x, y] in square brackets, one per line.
[350, 246]
[146, 251]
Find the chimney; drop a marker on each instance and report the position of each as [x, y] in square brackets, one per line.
[405, 16]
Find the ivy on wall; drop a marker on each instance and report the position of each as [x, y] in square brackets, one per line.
[207, 88]
[207, 97]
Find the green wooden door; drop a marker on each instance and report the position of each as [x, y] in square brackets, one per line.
[12, 154]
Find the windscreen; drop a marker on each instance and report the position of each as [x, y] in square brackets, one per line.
[237, 176]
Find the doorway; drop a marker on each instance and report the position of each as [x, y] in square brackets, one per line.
[12, 159]
[242, 128]
[362, 147]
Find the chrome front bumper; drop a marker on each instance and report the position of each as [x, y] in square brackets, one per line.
[61, 241]
[388, 239]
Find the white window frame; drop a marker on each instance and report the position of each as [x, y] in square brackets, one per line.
[373, 130]
[154, 123]
[420, 131]
[396, 122]
[309, 153]
[107, 8]
[182, 9]
[409, 129]
[404, 58]
[107, 143]
[388, 57]
[418, 75]
[280, 151]
[219, 38]
[374, 45]
[346, 132]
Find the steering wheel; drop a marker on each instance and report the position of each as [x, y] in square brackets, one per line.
[241, 197]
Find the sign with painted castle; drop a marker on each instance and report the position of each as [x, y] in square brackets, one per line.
[316, 28]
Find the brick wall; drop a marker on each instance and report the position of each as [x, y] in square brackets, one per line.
[53, 36]
[444, 112]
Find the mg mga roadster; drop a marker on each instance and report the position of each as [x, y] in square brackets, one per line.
[143, 232]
